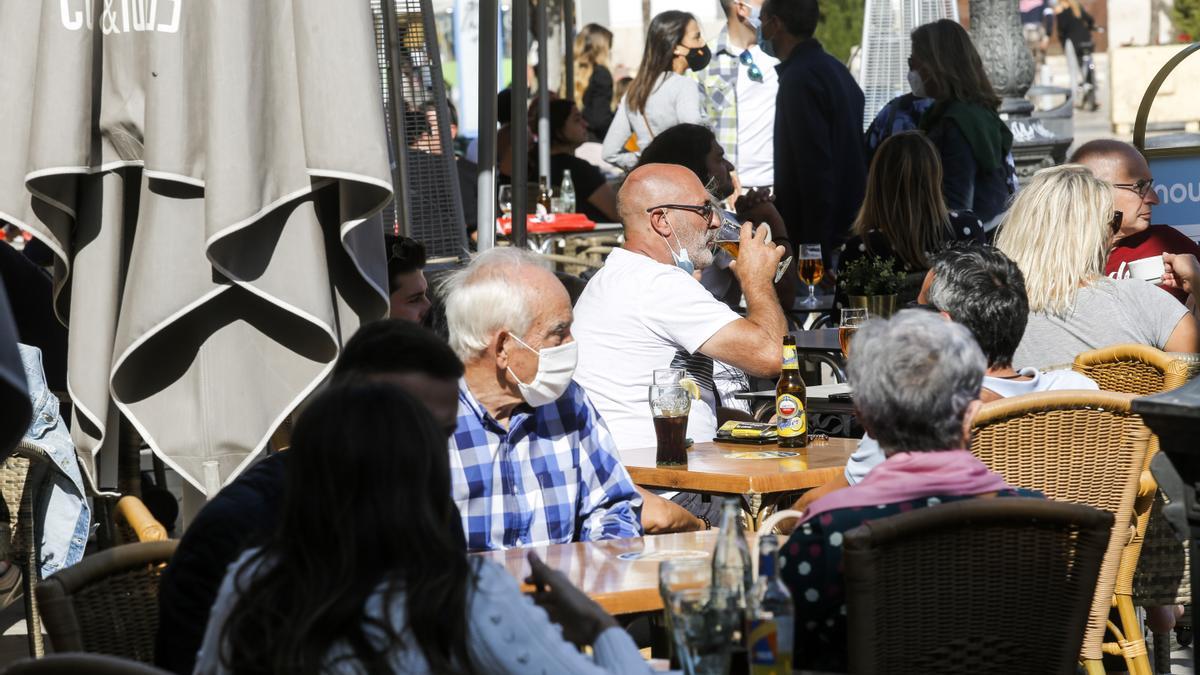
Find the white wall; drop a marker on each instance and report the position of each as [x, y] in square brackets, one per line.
[1129, 23]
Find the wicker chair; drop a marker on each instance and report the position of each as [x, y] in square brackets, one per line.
[976, 586]
[79, 663]
[21, 477]
[1154, 566]
[1077, 446]
[135, 523]
[108, 603]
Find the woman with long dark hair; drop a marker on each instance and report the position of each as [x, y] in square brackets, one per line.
[593, 81]
[963, 123]
[904, 215]
[595, 198]
[661, 95]
[368, 570]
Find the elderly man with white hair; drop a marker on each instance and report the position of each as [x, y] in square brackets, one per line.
[530, 461]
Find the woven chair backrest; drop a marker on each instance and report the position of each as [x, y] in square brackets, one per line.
[1132, 368]
[983, 585]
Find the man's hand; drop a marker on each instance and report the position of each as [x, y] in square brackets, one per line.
[753, 199]
[662, 516]
[582, 620]
[757, 259]
[1181, 270]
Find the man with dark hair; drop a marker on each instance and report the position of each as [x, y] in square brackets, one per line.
[979, 287]
[820, 168]
[407, 287]
[247, 509]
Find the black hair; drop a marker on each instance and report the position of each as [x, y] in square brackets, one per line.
[368, 470]
[984, 290]
[396, 346]
[407, 255]
[560, 111]
[453, 113]
[504, 106]
[687, 145]
[799, 17]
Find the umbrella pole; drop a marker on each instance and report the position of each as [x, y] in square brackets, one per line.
[543, 74]
[520, 120]
[485, 180]
[129, 459]
[569, 41]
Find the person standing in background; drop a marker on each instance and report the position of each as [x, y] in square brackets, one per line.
[1037, 23]
[660, 96]
[742, 76]
[593, 81]
[820, 168]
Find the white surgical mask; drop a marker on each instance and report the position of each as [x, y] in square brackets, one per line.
[682, 260]
[916, 84]
[755, 18]
[556, 367]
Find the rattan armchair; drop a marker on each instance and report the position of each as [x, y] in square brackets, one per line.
[1133, 368]
[108, 603]
[81, 664]
[976, 586]
[1085, 447]
[135, 523]
[22, 476]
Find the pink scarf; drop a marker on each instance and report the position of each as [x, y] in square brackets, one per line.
[912, 475]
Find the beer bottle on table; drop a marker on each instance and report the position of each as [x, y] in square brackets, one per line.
[770, 627]
[790, 400]
[544, 195]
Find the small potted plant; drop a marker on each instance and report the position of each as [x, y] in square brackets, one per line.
[872, 283]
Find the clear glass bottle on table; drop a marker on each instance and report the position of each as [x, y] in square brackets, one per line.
[733, 576]
[566, 192]
[770, 626]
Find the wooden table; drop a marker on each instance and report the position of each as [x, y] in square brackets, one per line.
[619, 586]
[714, 469]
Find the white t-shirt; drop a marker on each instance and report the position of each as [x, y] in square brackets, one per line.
[869, 454]
[756, 121]
[636, 316]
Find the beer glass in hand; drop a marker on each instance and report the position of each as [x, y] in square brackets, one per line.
[811, 271]
[729, 238]
[670, 403]
[852, 318]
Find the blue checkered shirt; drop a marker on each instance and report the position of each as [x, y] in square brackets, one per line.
[719, 80]
[552, 477]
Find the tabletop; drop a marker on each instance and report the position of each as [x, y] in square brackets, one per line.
[740, 469]
[824, 302]
[619, 574]
[818, 399]
[817, 340]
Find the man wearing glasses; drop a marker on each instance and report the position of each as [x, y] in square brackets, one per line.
[1133, 195]
[741, 76]
[645, 310]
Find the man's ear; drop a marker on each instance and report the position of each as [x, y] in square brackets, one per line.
[501, 343]
[658, 222]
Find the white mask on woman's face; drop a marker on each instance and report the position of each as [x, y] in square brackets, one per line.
[556, 367]
[917, 84]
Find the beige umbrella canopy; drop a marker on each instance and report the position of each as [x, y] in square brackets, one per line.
[209, 175]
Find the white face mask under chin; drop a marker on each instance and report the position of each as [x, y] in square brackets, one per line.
[556, 367]
[682, 260]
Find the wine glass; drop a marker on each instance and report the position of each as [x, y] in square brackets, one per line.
[852, 318]
[812, 269]
[505, 200]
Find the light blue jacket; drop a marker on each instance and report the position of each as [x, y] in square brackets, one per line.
[61, 512]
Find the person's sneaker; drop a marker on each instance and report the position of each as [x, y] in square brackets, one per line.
[10, 586]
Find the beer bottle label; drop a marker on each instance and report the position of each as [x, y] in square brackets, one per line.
[770, 646]
[790, 362]
[792, 420]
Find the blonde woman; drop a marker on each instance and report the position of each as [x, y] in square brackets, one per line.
[1059, 232]
[593, 81]
[904, 215]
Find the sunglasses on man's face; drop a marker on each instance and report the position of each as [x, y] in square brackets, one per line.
[1142, 187]
[747, 59]
[704, 210]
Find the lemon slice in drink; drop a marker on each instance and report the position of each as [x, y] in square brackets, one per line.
[689, 385]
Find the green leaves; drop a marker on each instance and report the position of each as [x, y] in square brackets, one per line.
[871, 275]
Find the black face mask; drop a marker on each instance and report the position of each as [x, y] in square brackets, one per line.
[698, 58]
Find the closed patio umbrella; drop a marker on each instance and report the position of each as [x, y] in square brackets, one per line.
[209, 175]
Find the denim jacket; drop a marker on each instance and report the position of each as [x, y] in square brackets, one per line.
[62, 516]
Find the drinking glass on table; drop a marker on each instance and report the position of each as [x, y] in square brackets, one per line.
[811, 271]
[729, 238]
[670, 402]
[852, 318]
[505, 200]
[701, 629]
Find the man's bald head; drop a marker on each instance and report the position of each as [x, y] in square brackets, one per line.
[1108, 159]
[1122, 166]
[659, 232]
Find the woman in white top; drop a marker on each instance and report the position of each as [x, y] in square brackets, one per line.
[1059, 231]
[661, 95]
[368, 570]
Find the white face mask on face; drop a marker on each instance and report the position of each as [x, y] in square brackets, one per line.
[556, 367]
[917, 84]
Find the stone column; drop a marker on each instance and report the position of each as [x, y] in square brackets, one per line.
[996, 32]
